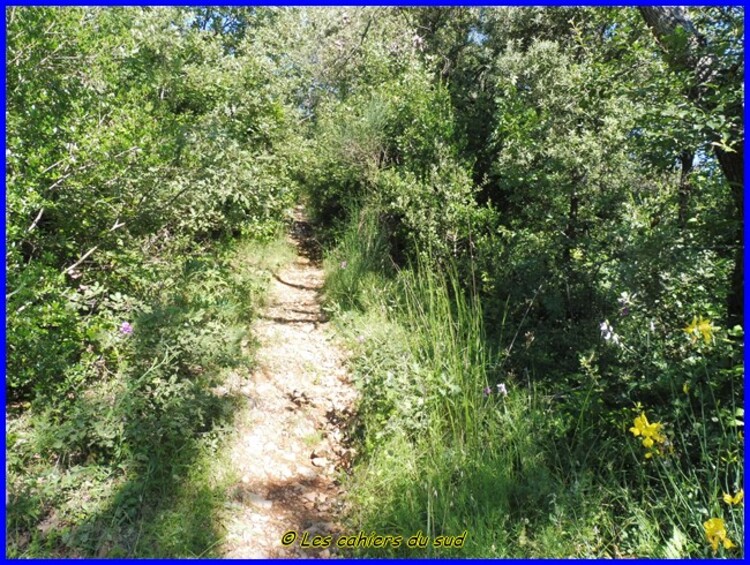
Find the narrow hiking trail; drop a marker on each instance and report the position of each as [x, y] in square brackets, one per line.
[290, 444]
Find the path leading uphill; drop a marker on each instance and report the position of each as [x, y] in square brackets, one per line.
[291, 445]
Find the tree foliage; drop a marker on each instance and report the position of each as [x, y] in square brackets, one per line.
[132, 139]
[575, 174]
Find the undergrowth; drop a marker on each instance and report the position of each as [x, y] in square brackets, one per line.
[452, 441]
[130, 465]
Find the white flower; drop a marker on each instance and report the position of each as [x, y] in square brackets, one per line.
[608, 332]
[626, 299]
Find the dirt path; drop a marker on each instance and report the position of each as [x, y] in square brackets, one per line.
[290, 445]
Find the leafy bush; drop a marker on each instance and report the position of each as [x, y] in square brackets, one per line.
[117, 167]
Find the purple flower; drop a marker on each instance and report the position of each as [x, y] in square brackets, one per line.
[502, 389]
[126, 328]
[487, 391]
[625, 311]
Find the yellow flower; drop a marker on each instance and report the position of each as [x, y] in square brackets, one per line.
[736, 499]
[642, 427]
[686, 388]
[716, 532]
[639, 424]
[700, 327]
[650, 432]
[691, 329]
[706, 330]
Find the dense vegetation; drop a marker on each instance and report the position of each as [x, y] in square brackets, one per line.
[533, 221]
[140, 145]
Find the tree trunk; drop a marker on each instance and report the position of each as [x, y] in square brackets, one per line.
[691, 55]
[733, 166]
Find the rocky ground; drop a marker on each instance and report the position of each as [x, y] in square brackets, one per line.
[290, 448]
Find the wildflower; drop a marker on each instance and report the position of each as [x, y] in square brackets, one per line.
[487, 391]
[649, 432]
[706, 330]
[343, 264]
[625, 311]
[686, 388]
[608, 333]
[700, 327]
[529, 337]
[716, 532]
[736, 499]
[126, 328]
[502, 389]
[625, 299]
[642, 427]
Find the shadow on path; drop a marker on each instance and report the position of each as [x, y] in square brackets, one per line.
[303, 234]
[294, 285]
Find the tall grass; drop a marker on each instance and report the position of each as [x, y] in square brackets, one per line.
[445, 456]
[358, 268]
[530, 473]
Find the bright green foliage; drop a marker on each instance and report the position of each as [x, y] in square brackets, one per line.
[132, 139]
[138, 145]
[548, 469]
[554, 183]
[544, 198]
[126, 466]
